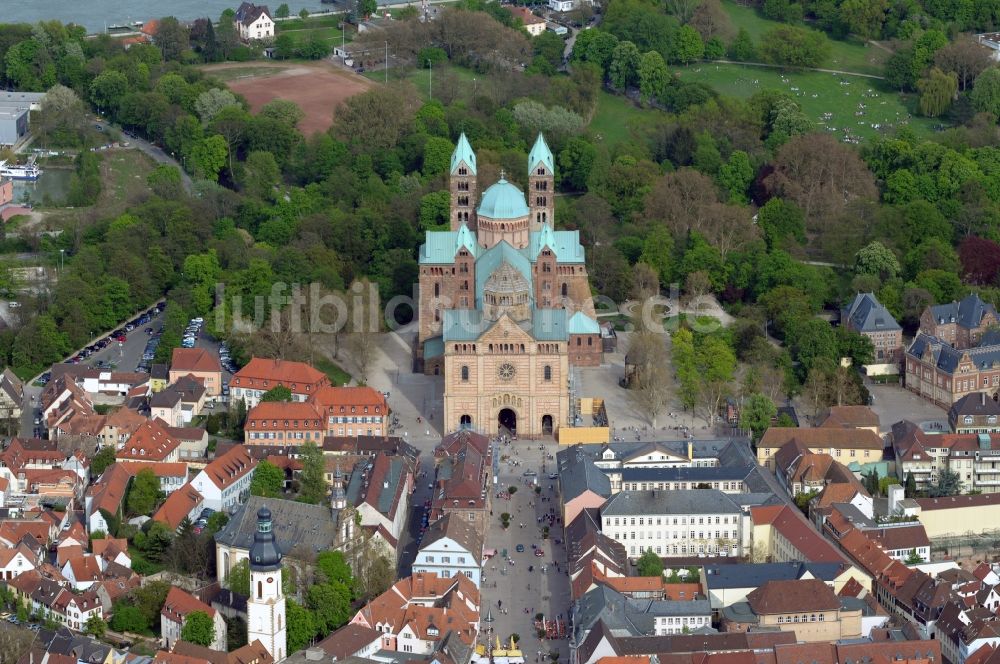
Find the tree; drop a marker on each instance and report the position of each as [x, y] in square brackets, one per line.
[312, 480]
[376, 119]
[95, 626]
[63, 117]
[986, 92]
[864, 17]
[687, 46]
[911, 486]
[301, 625]
[980, 260]
[624, 67]
[100, 461]
[216, 522]
[211, 102]
[260, 174]
[239, 578]
[937, 90]
[875, 258]
[172, 38]
[964, 56]
[649, 387]
[949, 483]
[575, 163]
[742, 49]
[756, 414]
[277, 393]
[282, 11]
[268, 480]
[209, 156]
[143, 493]
[649, 564]
[331, 605]
[108, 89]
[736, 176]
[781, 221]
[128, 618]
[716, 365]
[303, 13]
[198, 629]
[914, 558]
[652, 76]
[794, 46]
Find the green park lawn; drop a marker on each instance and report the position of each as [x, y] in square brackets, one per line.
[852, 55]
[324, 26]
[818, 94]
[617, 118]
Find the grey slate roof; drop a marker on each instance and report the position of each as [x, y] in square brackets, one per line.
[689, 501]
[627, 616]
[967, 313]
[301, 530]
[578, 474]
[977, 404]
[696, 474]
[452, 527]
[754, 575]
[867, 314]
[946, 358]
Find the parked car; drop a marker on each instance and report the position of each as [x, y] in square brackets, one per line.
[519, 548]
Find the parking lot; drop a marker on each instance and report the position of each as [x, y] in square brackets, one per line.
[893, 403]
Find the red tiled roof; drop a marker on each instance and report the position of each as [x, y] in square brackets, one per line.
[109, 491]
[819, 439]
[194, 359]
[230, 467]
[525, 15]
[85, 568]
[159, 468]
[340, 399]
[299, 377]
[150, 442]
[794, 528]
[178, 505]
[793, 596]
[180, 603]
[282, 411]
[850, 417]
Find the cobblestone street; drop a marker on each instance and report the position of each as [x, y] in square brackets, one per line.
[509, 589]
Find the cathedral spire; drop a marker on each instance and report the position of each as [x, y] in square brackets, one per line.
[463, 154]
[540, 154]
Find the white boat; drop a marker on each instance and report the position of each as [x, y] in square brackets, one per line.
[29, 171]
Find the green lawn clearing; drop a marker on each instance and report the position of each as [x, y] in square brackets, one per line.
[327, 27]
[852, 55]
[850, 107]
[336, 375]
[617, 118]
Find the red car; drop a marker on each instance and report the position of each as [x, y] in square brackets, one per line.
[539, 553]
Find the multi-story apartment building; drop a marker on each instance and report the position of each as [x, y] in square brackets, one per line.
[843, 444]
[352, 411]
[676, 523]
[866, 316]
[975, 413]
[278, 423]
[975, 457]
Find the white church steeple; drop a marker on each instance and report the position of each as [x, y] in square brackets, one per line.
[266, 604]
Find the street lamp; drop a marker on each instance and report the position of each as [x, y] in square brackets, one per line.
[62, 255]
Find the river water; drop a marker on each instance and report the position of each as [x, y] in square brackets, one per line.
[50, 189]
[96, 14]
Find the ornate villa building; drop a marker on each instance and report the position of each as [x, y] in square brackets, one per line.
[505, 307]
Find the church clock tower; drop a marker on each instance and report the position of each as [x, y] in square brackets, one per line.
[266, 605]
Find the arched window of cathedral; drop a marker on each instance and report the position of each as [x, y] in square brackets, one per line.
[541, 171]
[547, 372]
[465, 374]
[462, 171]
[437, 289]
[260, 590]
[437, 316]
[522, 348]
[590, 341]
[544, 217]
[565, 289]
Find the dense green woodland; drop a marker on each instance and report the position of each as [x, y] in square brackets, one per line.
[716, 194]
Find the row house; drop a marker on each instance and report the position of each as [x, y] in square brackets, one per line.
[261, 374]
[380, 490]
[177, 607]
[278, 423]
[800, 470]
[451, 547]
[845, 445]
[47, 597]
[463, 479]
[151, 442]
[974, 457]
[62, 400]
[225, 482]
[200, 364]
[419, 611]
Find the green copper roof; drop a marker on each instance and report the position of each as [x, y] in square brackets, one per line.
[463, 325]
[503, 201]
[492, 259]
[463, 153]
[581, 323]
[565, 244]
[540, 153]
[548, 325]
[440, 247]
[433, 347]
